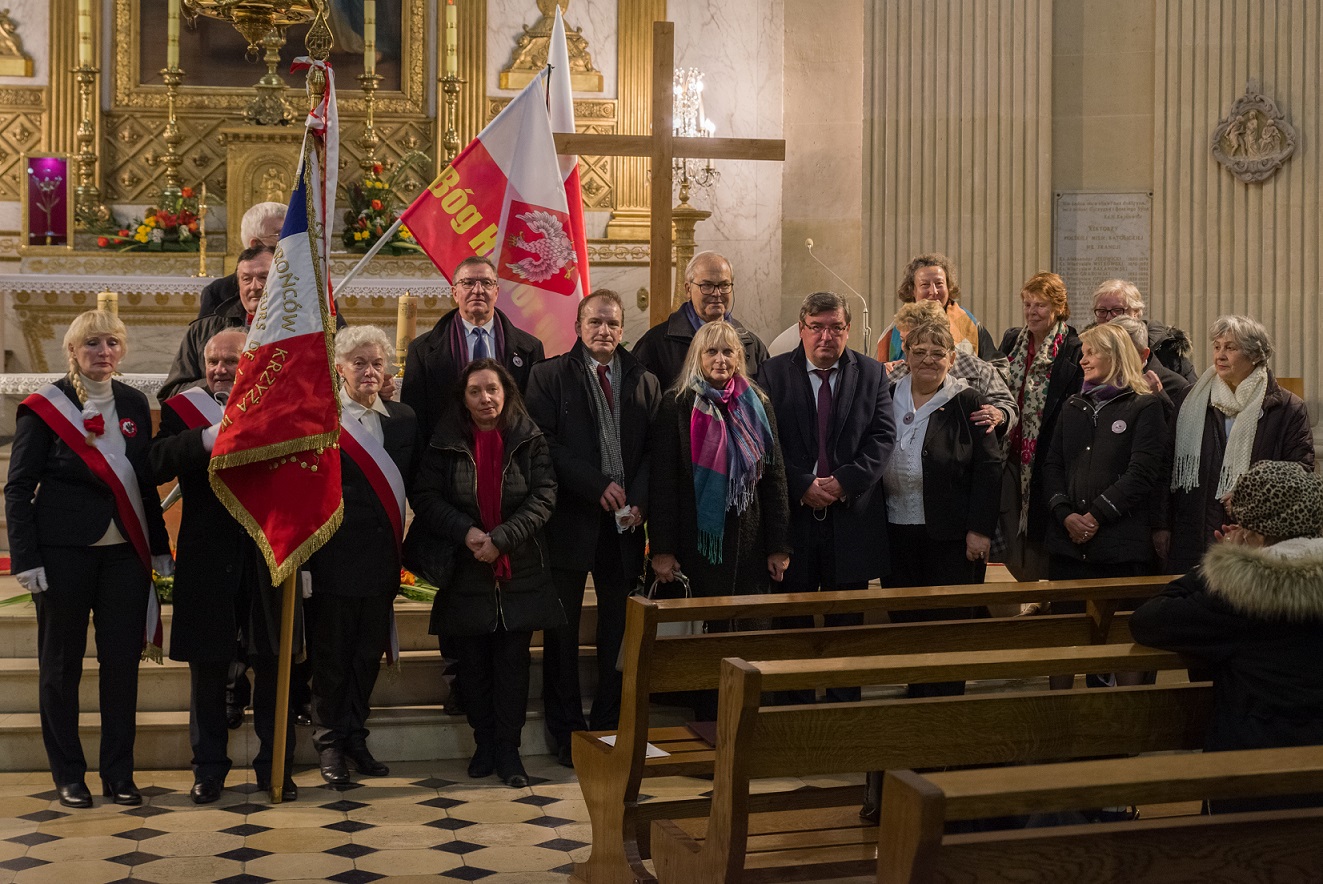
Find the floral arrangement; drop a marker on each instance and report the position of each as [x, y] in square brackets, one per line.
[374, 205]
[414, 588]
[171, 227]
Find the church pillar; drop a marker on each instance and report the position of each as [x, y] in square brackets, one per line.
[61, 122]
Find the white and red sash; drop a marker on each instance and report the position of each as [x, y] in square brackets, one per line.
[196, 408]
[66, 420]
[384, 476]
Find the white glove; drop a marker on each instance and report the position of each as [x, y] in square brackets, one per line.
[305, 582]
[33, 581]
[209, 436]
[163, 565]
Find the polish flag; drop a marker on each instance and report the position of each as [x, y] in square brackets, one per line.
[504, 197]
[275, 464]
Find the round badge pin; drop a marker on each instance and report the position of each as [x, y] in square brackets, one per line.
[518, 361]
[128, 428]
[1118, 427]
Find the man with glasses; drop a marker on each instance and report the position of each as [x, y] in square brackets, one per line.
[474, 330]
[833, 407]
[710, 285]
[1169, 345]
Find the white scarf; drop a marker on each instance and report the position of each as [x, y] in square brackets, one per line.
[1244, 404]
[903, 406]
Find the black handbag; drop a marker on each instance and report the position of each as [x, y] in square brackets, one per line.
[428, 556]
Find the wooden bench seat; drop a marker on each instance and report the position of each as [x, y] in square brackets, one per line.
[755, 741]
[1262, 846]
[611, 775]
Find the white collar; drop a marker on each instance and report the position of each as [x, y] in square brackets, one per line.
[812, 368]
[489, 327]
[358, 409]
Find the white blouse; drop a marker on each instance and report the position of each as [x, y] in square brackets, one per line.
[902, 478]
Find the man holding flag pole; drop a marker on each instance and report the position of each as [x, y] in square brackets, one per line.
[275, 463]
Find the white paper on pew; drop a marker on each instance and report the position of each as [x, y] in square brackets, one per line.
[652, 751]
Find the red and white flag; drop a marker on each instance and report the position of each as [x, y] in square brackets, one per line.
[504, 197]
[275, 465]
[560, 103]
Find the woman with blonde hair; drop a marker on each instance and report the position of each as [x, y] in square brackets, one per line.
[720, 512]
[85, 533]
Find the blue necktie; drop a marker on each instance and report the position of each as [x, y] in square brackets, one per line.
[480, 350]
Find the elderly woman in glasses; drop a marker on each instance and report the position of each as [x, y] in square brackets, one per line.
[943, 479]
[1168, 345]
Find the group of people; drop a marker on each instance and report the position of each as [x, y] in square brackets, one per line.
[695, 457]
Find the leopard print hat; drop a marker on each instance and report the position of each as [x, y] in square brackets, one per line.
[1279, 499]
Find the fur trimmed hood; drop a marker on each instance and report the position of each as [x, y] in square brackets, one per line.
[1279, 582]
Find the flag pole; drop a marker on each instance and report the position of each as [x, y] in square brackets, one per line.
[371, 253]
[283, 669]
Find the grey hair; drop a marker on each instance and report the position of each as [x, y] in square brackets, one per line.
[349, 339]
[1136, 329]
[823, 302]
[232, 330]
[1126, 289]
[706, 256]
[1250, 335]
[256, 218]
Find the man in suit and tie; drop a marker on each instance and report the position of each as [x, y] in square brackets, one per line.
[833, 407]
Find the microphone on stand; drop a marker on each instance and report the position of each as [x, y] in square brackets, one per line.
[868, 329]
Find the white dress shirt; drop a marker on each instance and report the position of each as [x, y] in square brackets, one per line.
[470, 340]
[370, 418]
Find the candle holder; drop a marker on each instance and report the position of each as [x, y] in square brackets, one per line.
[90, 213]
[450, 84]
[369, 140]
[268, 107]
[171, 192]
[202, 233]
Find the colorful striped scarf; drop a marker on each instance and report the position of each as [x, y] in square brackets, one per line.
[730, 440]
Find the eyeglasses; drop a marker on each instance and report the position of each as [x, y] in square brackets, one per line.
[817, 329]
[708, 288]
[928, 355]
[1106, 313]
[470, 284]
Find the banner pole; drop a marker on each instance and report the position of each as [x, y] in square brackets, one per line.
[371, 253]
[283, 669]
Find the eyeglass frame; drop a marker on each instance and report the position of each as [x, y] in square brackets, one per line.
[1106, 314]
[471, 284]
[817, 329]
[708, 288]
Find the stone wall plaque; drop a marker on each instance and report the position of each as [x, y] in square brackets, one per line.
[1254, 139]
[1098, 236]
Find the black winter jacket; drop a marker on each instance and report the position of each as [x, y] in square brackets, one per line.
[1106, 460]
[445, 504]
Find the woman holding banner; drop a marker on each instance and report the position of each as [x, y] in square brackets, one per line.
[356, 575]
[85, 532]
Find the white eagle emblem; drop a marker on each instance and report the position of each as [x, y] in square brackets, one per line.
[551, 252]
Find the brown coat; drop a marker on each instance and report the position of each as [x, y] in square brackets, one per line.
[1282, 434]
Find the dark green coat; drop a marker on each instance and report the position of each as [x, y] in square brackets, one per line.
[445, 504]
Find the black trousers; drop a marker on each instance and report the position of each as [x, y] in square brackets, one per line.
[111, 584]
[813, 568]
[348, 635]
[919, 560]
[495, 684]
[208, 732]
[617, 565]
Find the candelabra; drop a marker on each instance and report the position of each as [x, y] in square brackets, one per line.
[170, 193]
[450, 84]
[89, 212]
[369, 139]
[691, 122]
[268, 107]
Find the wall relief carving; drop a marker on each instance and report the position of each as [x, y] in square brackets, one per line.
[1254, 139]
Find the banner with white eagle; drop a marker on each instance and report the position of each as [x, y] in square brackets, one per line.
[504, 197]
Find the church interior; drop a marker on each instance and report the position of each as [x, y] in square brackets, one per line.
[1174, 143]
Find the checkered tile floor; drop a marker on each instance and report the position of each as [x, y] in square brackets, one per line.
[427, 819]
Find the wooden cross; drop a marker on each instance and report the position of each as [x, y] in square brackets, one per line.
[662, 146]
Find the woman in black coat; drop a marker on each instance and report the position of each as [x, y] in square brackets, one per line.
[1044, 356]
[1253, 613]
[485, 490]
[738, 541]
[85, 532]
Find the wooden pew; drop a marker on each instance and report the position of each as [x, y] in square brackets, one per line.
[755, 741]
[1263, 846]
[611, 774]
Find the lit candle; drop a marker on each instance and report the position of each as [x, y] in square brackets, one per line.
[452, 39]
[406, 326]
[84, 33]
[369, 36]
[108, 302]
[172, 35]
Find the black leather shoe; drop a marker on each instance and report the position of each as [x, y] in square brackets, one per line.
[206, 790]
[366, 764]
[74, 795]
[333, 767]
[289, 793]
[510, 768]
[304, 716]
[565, 756]
[122, 792]
[233, 717]
[483, 762]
